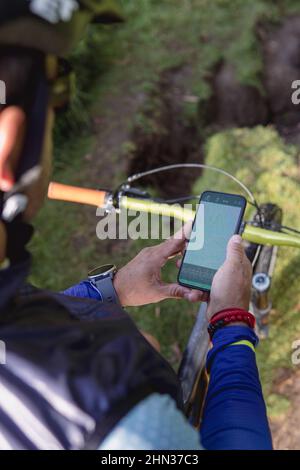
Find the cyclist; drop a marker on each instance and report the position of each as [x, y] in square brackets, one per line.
[78, 373]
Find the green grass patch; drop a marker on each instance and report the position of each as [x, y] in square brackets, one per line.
[57, 263]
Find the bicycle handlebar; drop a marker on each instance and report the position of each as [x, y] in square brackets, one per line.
[91, 197]
[100, 198]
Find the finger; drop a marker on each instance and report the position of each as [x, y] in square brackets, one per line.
[186, 230]
[179, 263]
[174, 291]
[178, 253]
[197, 296]
[235, 249]
[175, 244]
[168, 249]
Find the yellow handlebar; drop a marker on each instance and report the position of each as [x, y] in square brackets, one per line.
[268, 237]
[159, 208]
[251, 233]
[99, 198]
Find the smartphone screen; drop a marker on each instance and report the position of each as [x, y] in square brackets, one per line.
[219, 216]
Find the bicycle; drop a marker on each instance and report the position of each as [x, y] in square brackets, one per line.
[263, 234]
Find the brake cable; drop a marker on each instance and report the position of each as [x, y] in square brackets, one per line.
[138, 176]
[289, 229]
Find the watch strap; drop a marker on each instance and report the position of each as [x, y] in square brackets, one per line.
[106, 289]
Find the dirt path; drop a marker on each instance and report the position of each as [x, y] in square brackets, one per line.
[286, 429]
[124, 145]
[107, 163]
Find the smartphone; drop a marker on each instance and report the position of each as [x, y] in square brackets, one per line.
[219, 216]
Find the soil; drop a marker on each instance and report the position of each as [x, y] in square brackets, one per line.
[108, 163]
[235, 105]
[281, 68]
[174, 141]
[286, 428]
[173, 137]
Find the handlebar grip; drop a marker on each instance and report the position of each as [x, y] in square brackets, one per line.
[62, 192]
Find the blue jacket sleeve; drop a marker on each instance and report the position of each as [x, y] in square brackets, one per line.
[234, 412]
[84, 290]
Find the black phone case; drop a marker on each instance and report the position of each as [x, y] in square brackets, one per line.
[236, 232]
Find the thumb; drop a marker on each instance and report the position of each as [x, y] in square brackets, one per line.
[235, 249]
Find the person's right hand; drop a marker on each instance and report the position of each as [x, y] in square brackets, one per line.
[231, 287]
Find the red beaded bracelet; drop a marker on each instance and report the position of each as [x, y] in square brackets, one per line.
[232, 315]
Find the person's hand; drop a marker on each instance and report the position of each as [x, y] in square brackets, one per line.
[231, 287]
[140, 283]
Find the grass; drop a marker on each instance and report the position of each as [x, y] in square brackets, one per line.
[129, 59]
[57, 263]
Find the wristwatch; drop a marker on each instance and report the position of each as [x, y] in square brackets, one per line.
[102, 279]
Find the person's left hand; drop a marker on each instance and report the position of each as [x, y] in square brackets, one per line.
[140, 283]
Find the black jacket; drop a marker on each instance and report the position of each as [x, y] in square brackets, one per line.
[74, 367]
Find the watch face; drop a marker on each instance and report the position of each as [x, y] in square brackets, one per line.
[102, 270]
